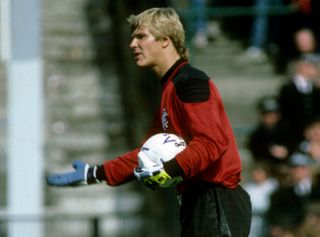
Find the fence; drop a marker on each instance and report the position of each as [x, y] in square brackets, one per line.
[238, 11]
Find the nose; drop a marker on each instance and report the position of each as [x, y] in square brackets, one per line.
[133, 44]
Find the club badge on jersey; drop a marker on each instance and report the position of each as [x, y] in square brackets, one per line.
[164, 120]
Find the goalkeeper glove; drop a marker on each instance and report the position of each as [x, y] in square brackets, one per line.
[83, 174]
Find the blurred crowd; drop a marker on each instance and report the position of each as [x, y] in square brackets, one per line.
[285, 143]
[279, 31]
[284, 184]
[285, 147]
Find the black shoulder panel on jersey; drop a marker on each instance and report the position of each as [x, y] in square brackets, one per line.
[192, 85]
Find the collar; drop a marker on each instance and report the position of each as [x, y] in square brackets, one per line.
[303, 85]
[172, 71]
[303, 187]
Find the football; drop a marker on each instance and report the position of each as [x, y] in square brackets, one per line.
[161, 147]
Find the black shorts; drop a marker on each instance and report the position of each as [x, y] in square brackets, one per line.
[208, 210]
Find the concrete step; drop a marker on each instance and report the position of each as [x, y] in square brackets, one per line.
[108, 200]
[71, 8]
[226, 62]
[69, 53]
[82, 98]
[65, 41]
[107, 203]
[64, 24]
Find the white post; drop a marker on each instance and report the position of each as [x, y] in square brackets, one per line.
[25, 118]
[4, 29]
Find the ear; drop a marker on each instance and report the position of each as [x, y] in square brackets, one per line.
[165, 42]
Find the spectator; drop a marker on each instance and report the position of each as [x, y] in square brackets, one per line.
[299, 99]
[310, 226]
[260, 187]
[307, 14]
[260, 29]
[305, 17]
[204, 30]
[311, 144]
[270, 140]
[303, 42]
[289, 202]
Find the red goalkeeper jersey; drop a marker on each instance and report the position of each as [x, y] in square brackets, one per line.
[192, 108]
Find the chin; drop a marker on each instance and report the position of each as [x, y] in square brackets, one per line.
[143, 64]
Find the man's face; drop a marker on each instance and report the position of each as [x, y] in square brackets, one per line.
[312, 133]
[305, 42]
[146, 49]
[300, 172]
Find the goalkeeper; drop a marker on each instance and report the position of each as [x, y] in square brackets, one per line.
[213, 204]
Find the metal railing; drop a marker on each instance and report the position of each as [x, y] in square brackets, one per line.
[88, 225]
[235, 11]
[221, 12]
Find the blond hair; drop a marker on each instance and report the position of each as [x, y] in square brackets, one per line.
[162, 22]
